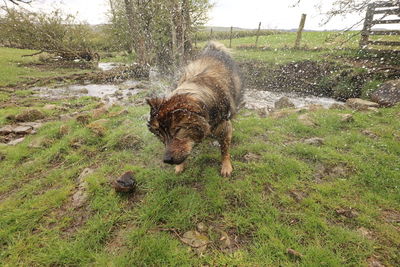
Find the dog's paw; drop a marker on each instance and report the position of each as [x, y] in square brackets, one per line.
[226, 169]
[179, 168]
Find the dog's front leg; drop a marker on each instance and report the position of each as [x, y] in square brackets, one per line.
[224, 133]
[179, 168]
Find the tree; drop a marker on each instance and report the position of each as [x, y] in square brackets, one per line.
[159, 31]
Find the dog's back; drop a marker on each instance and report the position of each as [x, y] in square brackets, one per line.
[215, 79]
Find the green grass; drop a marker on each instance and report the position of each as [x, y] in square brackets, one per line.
[14, 68]
[259, 206]
[39, 226]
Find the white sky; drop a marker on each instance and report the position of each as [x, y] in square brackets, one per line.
[273, 14]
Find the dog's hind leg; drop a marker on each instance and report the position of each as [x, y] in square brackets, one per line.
[224, 134]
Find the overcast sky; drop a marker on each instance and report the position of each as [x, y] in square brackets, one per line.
[274, 14]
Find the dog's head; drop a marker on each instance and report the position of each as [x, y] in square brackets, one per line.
[179, 123]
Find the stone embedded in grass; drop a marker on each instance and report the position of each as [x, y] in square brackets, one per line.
[315, 107]
[316, 141]
[202, 227]
[23, 130]
[126, 183]
[284, 102]
[306, 120]
[16, 141]
[294, 253]
[251, 157]
[29, 115]
[360, 104]
[337, 106]
[195, 240]
[388, 94]
[6, 130]
[297, 195]
[50, 107]
[369, 134]
[348, 213]
[346, 118]
[80, 196]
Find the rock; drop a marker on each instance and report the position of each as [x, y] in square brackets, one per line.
[346, 118]
[263, 112]
[83, 118]
[50, 107]
[202, 227]
[388, 94]
[306, 120]
[83, 91]
[337, 106]
[126, 183]
[6, 130]
[23, 130]
[348, 213]
[225, 242]
[369, 134]
[315, 107]
[34, 125]
[29, 115]
[316, 141]
[283, 113]
[284, 102]
[195, 239]
[294, 253]
[360, 104]
[79, 198]
[16, 141]
[251, 157]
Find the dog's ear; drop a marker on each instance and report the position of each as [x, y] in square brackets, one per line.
[154, 103]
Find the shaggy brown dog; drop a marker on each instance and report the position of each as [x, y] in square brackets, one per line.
[207, 97]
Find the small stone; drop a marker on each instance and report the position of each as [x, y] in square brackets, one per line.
[16, 141]
[388, 94]
[126, 183]
[346, 118]
[284, 102]
[360, 104]
[294, 253]
[316, 141]
[29, 115]
[306, 120]
[6, 130]
[337, 106]
[50, 107]
[297, 195]
[251, 157]
[369, 134]
[348, 213]
[194, 239]
[315, 107]
[202, 227]
[22, 129]
[79, 198]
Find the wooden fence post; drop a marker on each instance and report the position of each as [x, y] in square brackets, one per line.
[300, 30]
[258, 32]
[369, 17]
[230, 38]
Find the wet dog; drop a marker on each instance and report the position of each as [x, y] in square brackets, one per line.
[207, 97]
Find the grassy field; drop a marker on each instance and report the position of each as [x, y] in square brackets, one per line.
[15, 68]
[336, 203]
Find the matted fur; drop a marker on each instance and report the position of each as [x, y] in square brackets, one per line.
[207, 97]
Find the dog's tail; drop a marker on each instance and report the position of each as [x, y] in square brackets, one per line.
[216, 46]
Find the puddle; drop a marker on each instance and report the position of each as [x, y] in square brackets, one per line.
[255, 99]
[110, 93]
[104, 66]
[120, 93]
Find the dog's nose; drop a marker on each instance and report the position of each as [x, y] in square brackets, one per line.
[168, 158]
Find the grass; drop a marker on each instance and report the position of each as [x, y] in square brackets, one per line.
[338, 204]
[39, 225]
[15, 68]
